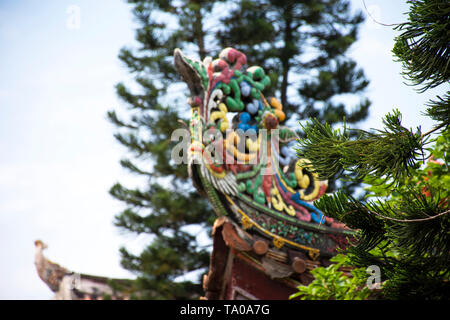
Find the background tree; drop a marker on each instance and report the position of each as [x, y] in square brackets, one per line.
[306, 37]
[166, 205]
[405, 230]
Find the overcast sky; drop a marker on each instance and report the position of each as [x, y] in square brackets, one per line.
[58, 156]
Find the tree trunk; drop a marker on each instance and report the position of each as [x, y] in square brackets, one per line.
[199, 34]
[286, 55]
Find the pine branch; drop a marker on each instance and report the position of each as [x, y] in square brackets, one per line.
[385, 154]
[439, 110]
[423, 46]
[426, 134]
[408, 220]
[374, 20]
[354, 214]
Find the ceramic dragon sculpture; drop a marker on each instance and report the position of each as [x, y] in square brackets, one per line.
[240, 157]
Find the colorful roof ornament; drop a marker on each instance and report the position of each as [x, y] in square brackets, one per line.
[240, 157]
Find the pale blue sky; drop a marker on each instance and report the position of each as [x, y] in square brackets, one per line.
[58, 155]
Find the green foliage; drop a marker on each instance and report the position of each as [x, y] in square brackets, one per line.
[120, 287]
[434, 174]
[403, 224]
[423, 195]
[439, 109]
[331, 284]
[385, 153]
[422, 47]
[403, 228]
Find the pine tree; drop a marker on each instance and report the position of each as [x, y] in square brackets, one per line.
[166, 206]
[302, 44]
[405, 229]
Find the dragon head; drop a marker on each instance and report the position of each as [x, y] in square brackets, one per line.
[224, 85]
